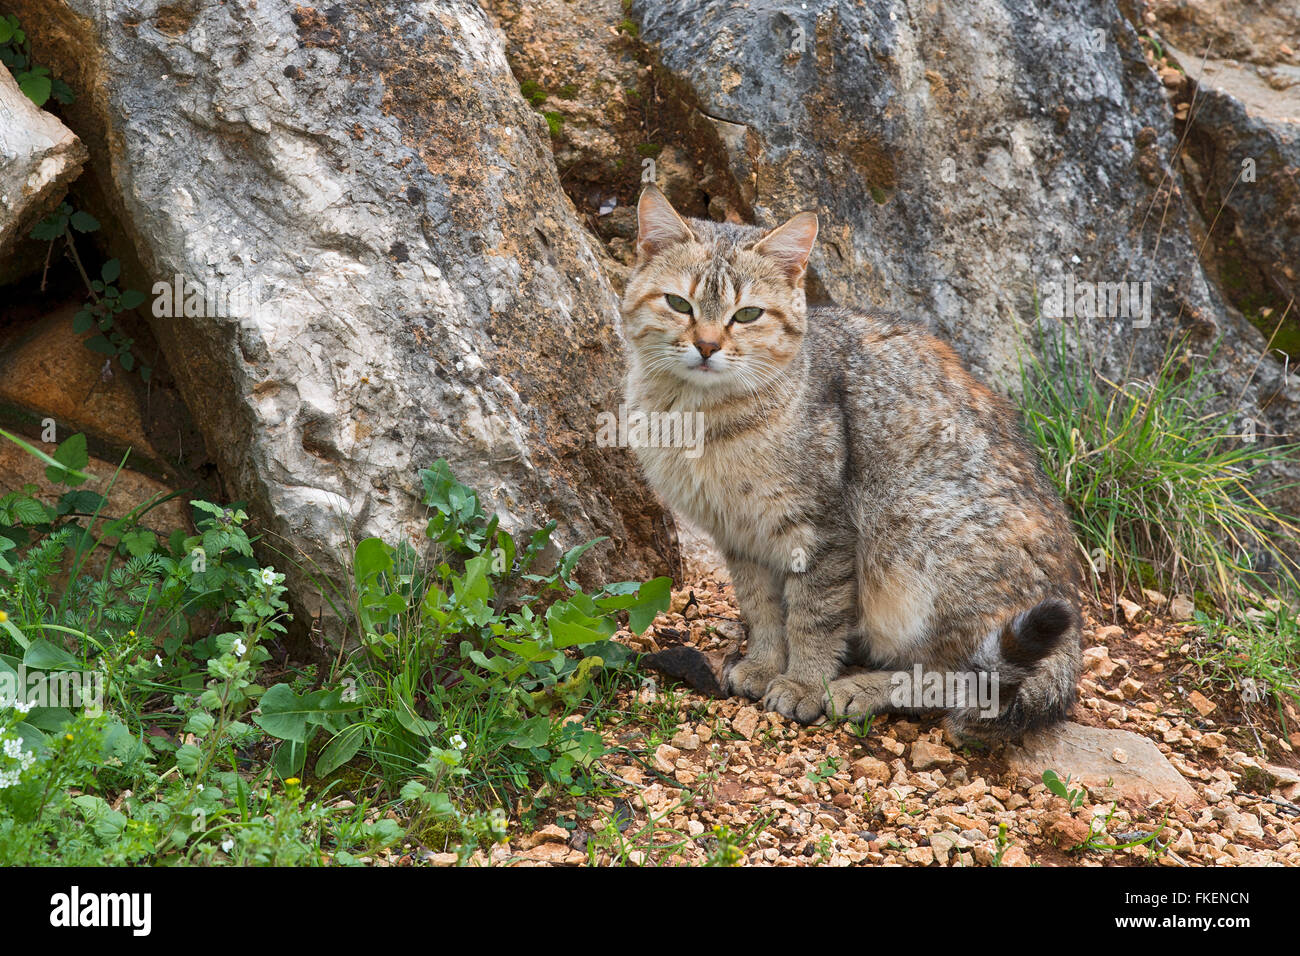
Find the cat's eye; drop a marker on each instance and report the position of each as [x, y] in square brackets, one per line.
[678, 304]
[747, 314]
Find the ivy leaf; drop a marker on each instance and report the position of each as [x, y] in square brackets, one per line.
[71, 456]
[84, 222]
[140, 542]
[188, 759]
[98, 343]
[35, 86]
[132, 299]
[51, 227]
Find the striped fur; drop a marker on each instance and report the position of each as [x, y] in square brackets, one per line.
[876, 505]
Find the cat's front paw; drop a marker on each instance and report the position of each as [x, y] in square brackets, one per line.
[801, 702]
[749, 677]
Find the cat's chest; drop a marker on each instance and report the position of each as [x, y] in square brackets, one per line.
[737, 493]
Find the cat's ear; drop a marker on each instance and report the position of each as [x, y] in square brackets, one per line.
[658, 225]
[790, 245]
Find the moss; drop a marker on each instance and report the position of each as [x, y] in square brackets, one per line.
[878, 195]
[533, 92]
[1204, 602]
[629, 26]
[555, 121]
[649, 149]
[568, 91]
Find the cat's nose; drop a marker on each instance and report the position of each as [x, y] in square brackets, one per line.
[707, 348]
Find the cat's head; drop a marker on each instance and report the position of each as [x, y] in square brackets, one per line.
[718, 306]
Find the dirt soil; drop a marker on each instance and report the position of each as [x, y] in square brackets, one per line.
[901, 793]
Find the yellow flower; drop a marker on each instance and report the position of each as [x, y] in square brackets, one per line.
[292, 781]
[68, 737]
[3, 617]
[130, 633]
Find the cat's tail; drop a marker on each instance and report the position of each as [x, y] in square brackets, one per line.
[1035, 657]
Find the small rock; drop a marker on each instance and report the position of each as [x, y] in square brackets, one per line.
[746, 722]
[1015, 856]
[547, 834]
[926, 755]
[1213, 742]
[1119, 755]
[1130, 687]
[1110, 632]
[666, 757]
[443, 859]
[694, 828]
[1153, 597]
[685, 740]
[1096, 660]
[1129, 609]
[1065, 830]
[943, 843]
[1204, 706]
[1182, 608]
[871, 768]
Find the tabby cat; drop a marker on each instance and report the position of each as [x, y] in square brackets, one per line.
[881, 515]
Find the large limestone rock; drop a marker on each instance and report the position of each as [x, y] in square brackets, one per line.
[416, 284]
[1098, 757]
[39, 156]
[966, 160]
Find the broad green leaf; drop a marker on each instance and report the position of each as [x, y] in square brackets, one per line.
[341, 748]
[32, 450]
[84, 222]
[42, 655]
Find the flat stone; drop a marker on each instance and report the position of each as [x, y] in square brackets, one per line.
[1087, 755]
[1182, 608]
[746, 722]
[1204, 706]
[926, 755]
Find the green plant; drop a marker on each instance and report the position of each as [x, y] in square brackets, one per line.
[106, 301]
[533, 92]
[1153, 474]
[1260, 653]
[35, 81]
[1003, 843]
[828, 768]
[469, 660]
[125, 737]
[1063, 790]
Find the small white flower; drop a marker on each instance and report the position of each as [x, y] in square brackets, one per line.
[157, 659]
[22, 707]
[227, 844]
[458, 742]
[268, 576]
[13, 748]
[239, 648]
[200, 788]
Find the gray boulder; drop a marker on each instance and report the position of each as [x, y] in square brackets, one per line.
[390, 270]
[971, 163]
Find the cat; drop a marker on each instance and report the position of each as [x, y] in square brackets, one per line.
[882, 517]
